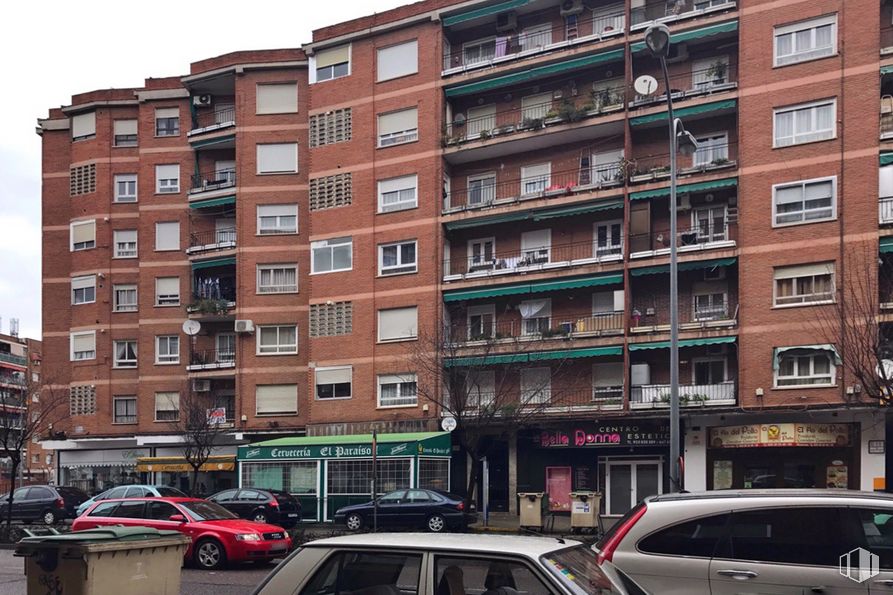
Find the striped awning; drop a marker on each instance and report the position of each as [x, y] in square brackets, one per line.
[704, 108]
[702, 33]
[683, 343]
[478, 13]
[217, 262]
[516, 358]
[213, 202]
[691, 265]
[685, 189]
[553, 213]
[527, 288]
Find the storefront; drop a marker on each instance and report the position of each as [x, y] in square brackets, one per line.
[328, 472]
[97, 470]
[216, 474]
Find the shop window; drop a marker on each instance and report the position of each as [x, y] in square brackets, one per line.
[629, 482]
[355, 476]
[434, 474]
[298, 477]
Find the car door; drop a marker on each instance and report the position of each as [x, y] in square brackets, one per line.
[226, 499]
[247, 502]
[875, 552]
[39, 499]
[784, 551]
[390, 509]
[100, 516]
[157, 514]
[459, 573]
[21, 506]
[130, 513]
[418, 505]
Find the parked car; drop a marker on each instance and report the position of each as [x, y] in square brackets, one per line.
[218, 536]
[778, 541]
[131, 491]
[263, 506]
[393, 563]
[49, 504]
[433, 510]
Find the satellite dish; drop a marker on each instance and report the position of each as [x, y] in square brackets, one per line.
[448, 424]
[192, 327]
[645, 85]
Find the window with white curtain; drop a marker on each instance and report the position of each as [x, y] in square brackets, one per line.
[167, 349]
[330, 63]
[125, 187]
[398, 127]
[167, 178]
[333, 382]
[805, 367]
[713, 149]
[277, 339]
[167, 291]
[398, 324]
[333, 255]
[807, 201]
[277, 98]
[125, 243]
[277, 158]
[397, 194]
[536, 316]
[397, 390]
[167, 236]
[277, 278]
[805, 123]
[277, 219]
[83, 126]
[83, 345]
[167, 406]
[806, 40]
[536, 385]
[83, 289]
[276, 399]
[125, 133]
[398, 60]
[125, 298]
[83, 235]
[125, 353]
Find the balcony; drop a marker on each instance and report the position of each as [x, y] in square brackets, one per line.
[697, 315]
[712, 156]
[211, 359]
[212, 241]
[214, 294]
[668, 11]
[211, 120]
[9, 358]
[550, 401]
[212, 184]
[689, 238]
[12, 379]
[885, 210]
[655, 396]
[564, 326]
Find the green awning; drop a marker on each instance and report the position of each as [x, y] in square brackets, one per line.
[886, 158]
[694, 110]
[778, 351]
[701, 33]
[217, 262]
[200, 144]
[482, 12]
[683, 343]
[520, 358]
[533, 73]
[540, 215]
[691, 265]
[886, 70]
[685, 189]
[886, 244]
[409, 444]
[527, 288]
[213, 202]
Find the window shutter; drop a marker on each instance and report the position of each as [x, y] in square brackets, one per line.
[277, 210]
[335, 376]
[398, 60]
[407, 119]
[167, 286]
[885, 182]
[167, 112]
[280, 98]
[125, 127]
[395, 184]
[83, 125]
[536, 240]
[804, 270]
[331, 56]
[85, 342]
[607, 374]
[167, 172]
[398, 323]
[277, 158]
[277, 398]
[167, 236]
[125, 235]
[167, 401]
[83, 232]
[83, 282]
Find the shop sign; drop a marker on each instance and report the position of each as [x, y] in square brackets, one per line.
[639, 434]
[785, 434]
[438, 446]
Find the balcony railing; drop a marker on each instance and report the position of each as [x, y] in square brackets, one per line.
[670, 10]
[692, 315]
[887, 118]
[216, 239]
[538, 329]
[506, 46]
[709, 157]
[689, 238]
[217, 179]
[506, 262]
[716, 77]
[219, 117]
[690, 395]
[554, 401]
[212, 359]
[13, 359]
[885, 210]
[14, 379]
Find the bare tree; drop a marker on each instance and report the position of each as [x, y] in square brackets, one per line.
[201, 426]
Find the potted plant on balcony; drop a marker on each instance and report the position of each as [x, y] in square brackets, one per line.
[569, 112]
[717, 72]
[719, 162]
[531, 123]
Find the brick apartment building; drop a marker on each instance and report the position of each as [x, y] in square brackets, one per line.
[486, 166]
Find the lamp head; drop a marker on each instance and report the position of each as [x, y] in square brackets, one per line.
[687, 143]
[657, 39]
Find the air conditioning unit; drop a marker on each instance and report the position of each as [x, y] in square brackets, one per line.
[569, 7]
[201, 385]
[201, 100]
[678, 53]
[507, 21]
[244, 326]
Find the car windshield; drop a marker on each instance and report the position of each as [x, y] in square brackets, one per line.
[170, 492]
[202, 510]
[577, 569]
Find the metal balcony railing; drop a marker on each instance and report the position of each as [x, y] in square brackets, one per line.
[710, 156]
[556, 326]
[698, 236]
[212, 359]
[887, 118]
[13, 359]
[690, 395]
[885, 210]
[547, 400]
[532, 258]
[692, 314]
[217, 179]
[215, 239]
[218, 116]
[717, 76]
[668, 10]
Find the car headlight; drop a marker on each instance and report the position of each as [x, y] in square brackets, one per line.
[247, 537]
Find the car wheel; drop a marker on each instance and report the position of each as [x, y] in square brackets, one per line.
[436, 523]
[49, 518]
[209, 554]
[354, 521]
[259, 516]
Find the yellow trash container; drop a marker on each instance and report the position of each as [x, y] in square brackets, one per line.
[584, 510]
[131, 560]
[531, 507]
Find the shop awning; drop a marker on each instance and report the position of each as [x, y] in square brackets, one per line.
[217, 262]
[804, 349]
[702, 33]
[704, 108]
[685, 189]
[887, 158]
[213, 202]
[886, 70]
[691, 265]
[886, 244]
[181, 465]
[533, 73]
[349, 446]
[486, 11]
[525, 288]
[683, 343]
[520, 358]
[553, 213]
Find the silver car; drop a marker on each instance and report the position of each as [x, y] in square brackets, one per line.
[131, 491]
[417, 564]
[756, 541]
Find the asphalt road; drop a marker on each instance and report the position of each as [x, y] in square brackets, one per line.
[235, 581]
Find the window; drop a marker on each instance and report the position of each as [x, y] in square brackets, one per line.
[167, 406]
[536, 385]
[804, 202]
[804, 367]
[83, 345]
[397, 194]
[481, 322]
[398, 127]
[276, 399]
[398, 60]
[397, 390]
[277, 158]
[83, 126]
[535, 107]
[334, 126]
[125, 188]
[331, 319]
[608, 238]
[707, 371]
[479, 574]
[331, 191]
[805, 123]
[876, 534]
[167, 178]
[330, 63]
[277, 278]
[125, 353]
[226, 347]
[480, 118]
[696, 538]
[125, 243]
[167, 349]
[82, 179]
[124, 410]
[277, 339]
[167, 236]
[347, 571]
[397, 258]
[333, 383]
[398, 324]
[481, 50]
[607, 382]
[811, 536]
[83, 235]
[277, 219]
[708, 73]
[807, 40]
[710, 305]
[167, 121]
[481, 254]
[332, 255]
[125, 133]
[160, 511]
[713, 149]
[535, 178]
[434, 474]
[481, 189]
[536, 316]
[277, 98]
[83, 289]
[536, 247]
[125, 298]
[804, 284]
[82, 400]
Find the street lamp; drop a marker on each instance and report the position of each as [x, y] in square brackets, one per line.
[657, 40]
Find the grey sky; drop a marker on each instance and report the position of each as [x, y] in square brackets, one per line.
[54, 51]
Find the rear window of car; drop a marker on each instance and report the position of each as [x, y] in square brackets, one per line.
[170, 492]
[66, 491]
[577, 569]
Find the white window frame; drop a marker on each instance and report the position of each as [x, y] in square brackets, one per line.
[483, 261]
[71, 235]
[314, 71]
[127, 180]
[707, 360]
[316, 384]
[487, 190]
[708, 148]
[536, 178]
[397, 339]
[406, 71]
[279, 229]
[832, 372]
[125, 363]
[166, 117]
[155, 405]
[272, 172]
[610, 249]
[811, 271]
[776, 112]
[81, 281]
[125, 143]
[130, 398]
[722, 291]
[481, 310]
[276, 289]
[803, 184]
[400, 379]
[400, 204]
[478, 43]
[72, 352]
[278, 348]
[326, 245]
[116, 306]
[398, 137]
[401, 268]
[167, 185]
[169, 358]
[797, 57]
[158, 301]
[118, 252]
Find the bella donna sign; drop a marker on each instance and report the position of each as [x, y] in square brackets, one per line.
[640, 434]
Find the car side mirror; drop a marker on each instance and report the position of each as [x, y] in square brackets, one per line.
[177, 518]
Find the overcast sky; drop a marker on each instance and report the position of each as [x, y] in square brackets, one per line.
[55, 50]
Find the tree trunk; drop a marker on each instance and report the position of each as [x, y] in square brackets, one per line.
[194, 481]
[14, 467]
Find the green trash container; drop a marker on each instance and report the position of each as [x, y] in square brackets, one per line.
[131, 560]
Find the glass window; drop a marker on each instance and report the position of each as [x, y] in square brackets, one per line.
[479, 575]
[224, 495]
[805, 123]
[399, 127]
[137, 492]
[253, 495]
[125, 410]
[126, 133]
[277, 278]
[167, 349]
[577, 569]
[807, 40]
[331, 255]
[167, 121]
[167, 291]
[693, 538]
[277, 339]
[434, 474]
[125, 188]
[397, 258]
[804, 202]
[805, 284]
[877, 532]
[104, 509]
[333, 383]
[803, 367]
[481, 189]
[167, 406]
[130, 510]
[125, 243]
[83, 290]
[397, 194]
[83, 346]
[167, 179]
[397, 390]
[277, 219]
[355, 476]
[125, 298]
[331, 63]
[125, 353]
[417, 496]
[160, 511]
[83, 235]
[346, 572]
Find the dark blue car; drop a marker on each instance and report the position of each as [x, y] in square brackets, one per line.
[433, 510]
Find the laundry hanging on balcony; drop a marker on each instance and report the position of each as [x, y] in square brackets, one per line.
[535, 308]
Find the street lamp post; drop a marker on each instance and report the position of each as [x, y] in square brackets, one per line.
[657, 39]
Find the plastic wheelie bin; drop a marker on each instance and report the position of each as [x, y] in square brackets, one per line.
[584, 510]
[531, 508]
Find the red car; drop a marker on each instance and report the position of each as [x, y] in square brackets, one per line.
[218, 536]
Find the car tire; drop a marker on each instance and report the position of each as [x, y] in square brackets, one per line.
[49, 517]
[436, 523]
[354, 521]
[259, 516]
[209, 554]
